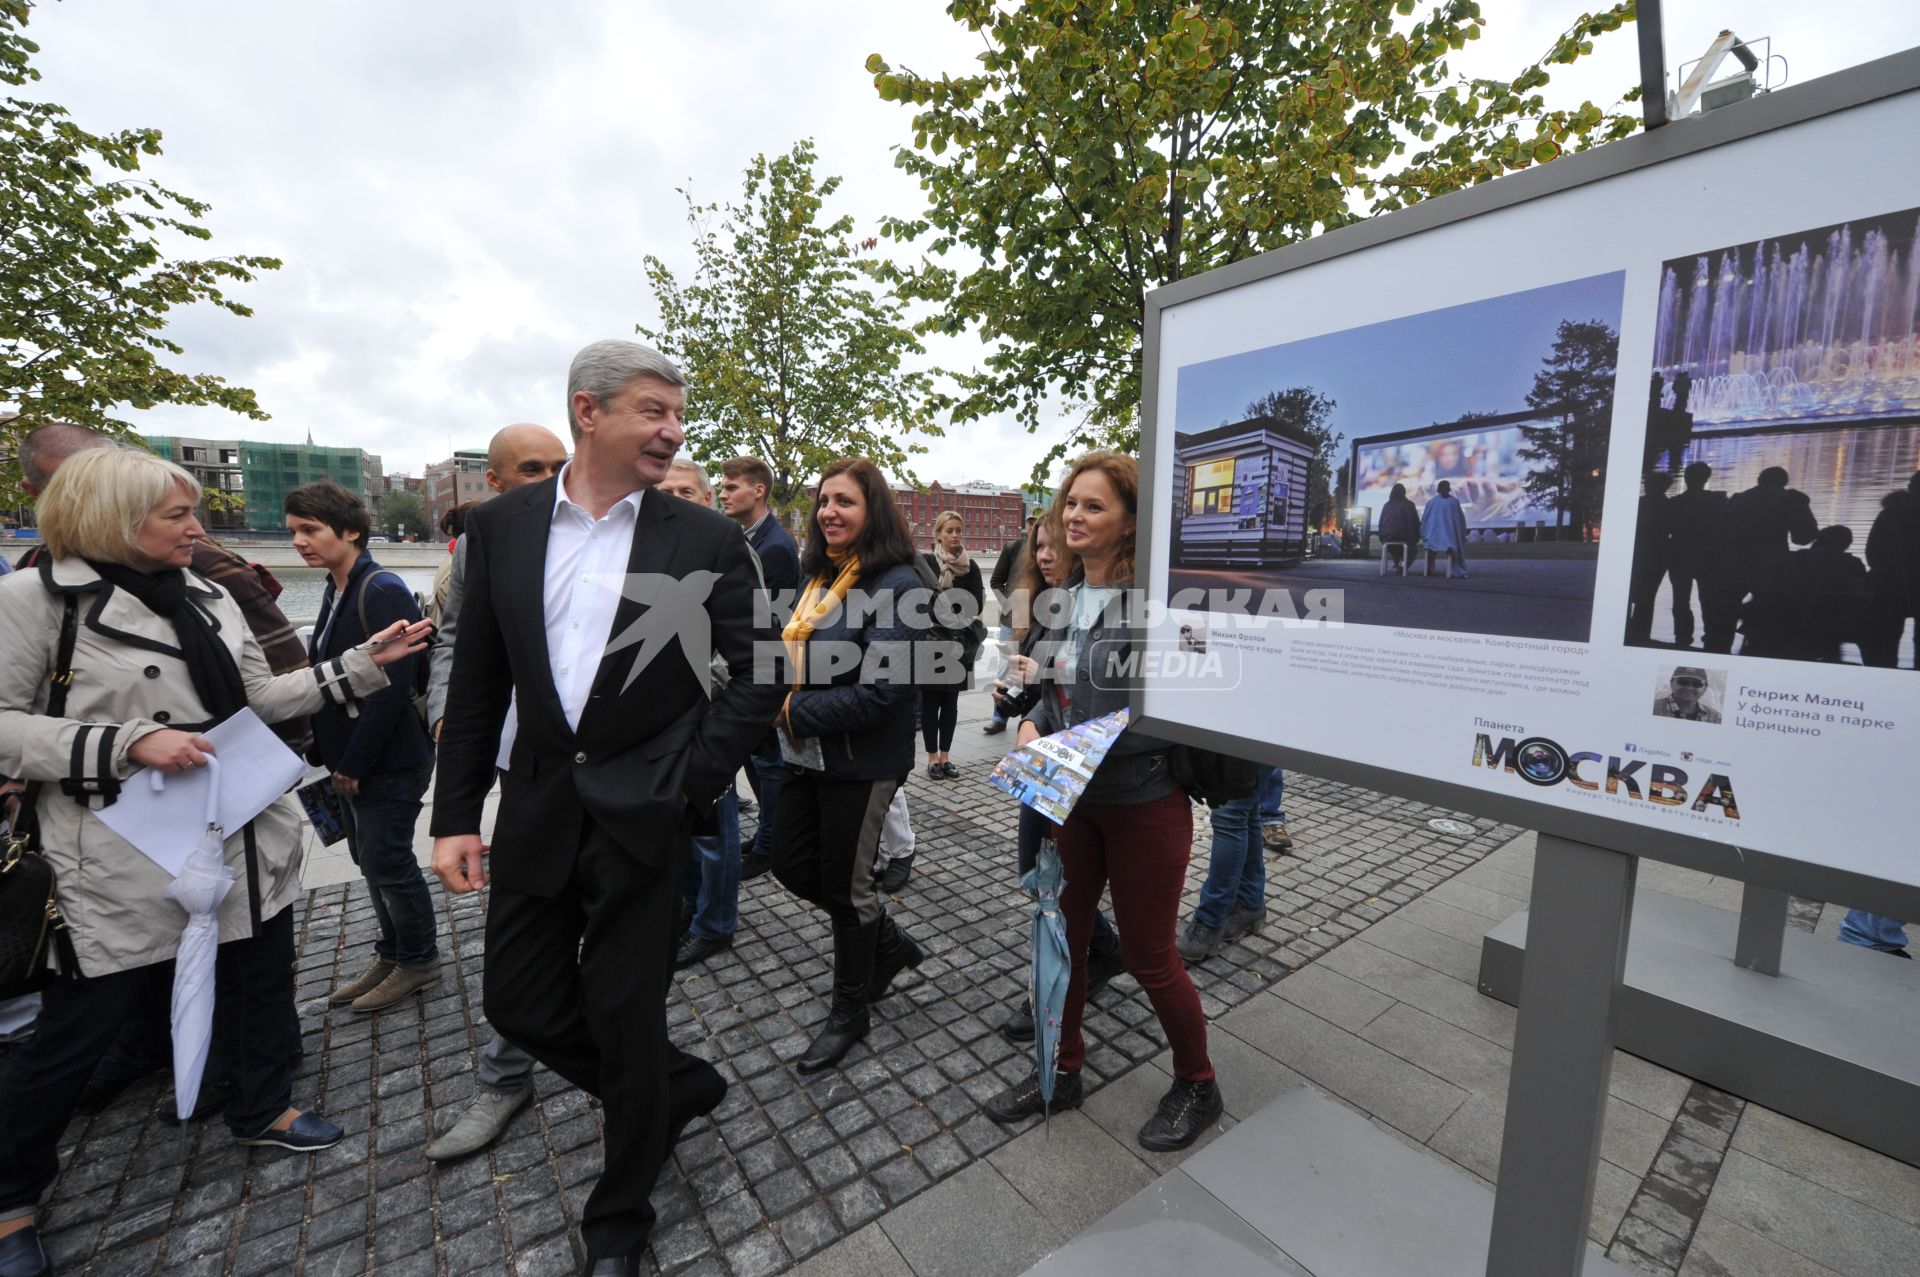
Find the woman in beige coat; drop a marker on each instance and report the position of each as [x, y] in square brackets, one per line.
[159, 655]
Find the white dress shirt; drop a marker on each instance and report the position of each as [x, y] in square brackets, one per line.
[586, 563]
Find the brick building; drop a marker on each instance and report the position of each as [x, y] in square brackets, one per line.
[989, 518]
[457, 480]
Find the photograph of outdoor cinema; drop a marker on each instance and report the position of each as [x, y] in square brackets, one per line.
[1444, 470]
[1780, 506]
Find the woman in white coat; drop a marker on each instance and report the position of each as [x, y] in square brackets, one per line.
[159, 655]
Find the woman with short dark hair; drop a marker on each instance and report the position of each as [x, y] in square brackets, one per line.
[380, 755]
[849, 718]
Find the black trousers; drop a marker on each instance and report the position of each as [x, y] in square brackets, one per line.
[939, 716]
[580, 981]
[254, 1021]
[824, 846]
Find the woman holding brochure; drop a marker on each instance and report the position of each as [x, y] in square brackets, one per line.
[847, 729]
[155, 656]
[1045, 565]
[1133, 827]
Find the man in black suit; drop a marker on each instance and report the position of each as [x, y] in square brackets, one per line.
[596, 602]
[745, 487]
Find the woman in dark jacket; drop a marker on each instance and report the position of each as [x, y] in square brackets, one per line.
[381, 756]
[1399, 521]
[1133, 827]
[849, 723]
[953, 569]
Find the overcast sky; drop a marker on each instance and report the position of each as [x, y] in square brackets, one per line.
[463, 190]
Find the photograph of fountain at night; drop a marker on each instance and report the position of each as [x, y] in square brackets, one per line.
[1780, 510]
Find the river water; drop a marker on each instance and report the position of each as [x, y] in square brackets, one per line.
[301, 598]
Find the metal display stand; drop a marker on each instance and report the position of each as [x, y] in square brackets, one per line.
[1562, 1058]
[1573, 988]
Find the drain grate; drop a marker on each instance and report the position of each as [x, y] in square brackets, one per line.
[1456, 828]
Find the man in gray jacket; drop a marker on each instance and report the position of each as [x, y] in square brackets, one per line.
[518, 455]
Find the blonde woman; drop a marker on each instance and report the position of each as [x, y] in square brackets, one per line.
[158, 656]
[953, 569]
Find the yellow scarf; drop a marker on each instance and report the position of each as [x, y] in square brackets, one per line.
[817, 602]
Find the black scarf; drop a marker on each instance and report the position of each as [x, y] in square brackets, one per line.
[215, 675]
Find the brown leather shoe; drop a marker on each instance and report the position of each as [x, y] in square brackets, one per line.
[369, 981]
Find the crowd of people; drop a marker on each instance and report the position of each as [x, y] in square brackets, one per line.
[616, 856]
[1736, 553]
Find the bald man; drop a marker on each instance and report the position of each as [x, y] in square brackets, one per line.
[517, 455]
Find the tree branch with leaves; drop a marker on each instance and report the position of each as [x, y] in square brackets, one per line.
[1108, 147]
[85, 285]
[796, 355]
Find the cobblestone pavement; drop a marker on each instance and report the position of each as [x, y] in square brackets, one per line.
[786, 1165]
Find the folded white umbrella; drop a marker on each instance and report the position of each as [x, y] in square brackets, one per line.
[203, 883]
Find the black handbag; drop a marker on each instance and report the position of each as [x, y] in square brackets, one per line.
[1211, 777]
[31, 927]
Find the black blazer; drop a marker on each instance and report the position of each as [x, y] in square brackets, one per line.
[779, 556]
[648, 758]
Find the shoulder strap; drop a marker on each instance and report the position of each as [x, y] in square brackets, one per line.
[63, 658]
[28, 821]
[361, 598]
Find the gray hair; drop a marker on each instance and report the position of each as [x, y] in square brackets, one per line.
[606, 368]
[44, 447]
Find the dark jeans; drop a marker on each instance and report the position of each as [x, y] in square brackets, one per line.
[711, 886]
[765, 773]
[1236, 869]
[254, 1023]
[380, 821]
[1142, 850]
[1033, 832]
[939, 715]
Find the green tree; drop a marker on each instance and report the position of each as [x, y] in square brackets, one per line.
[402, 509]
[794, 353]
[1107, 147]
[1574, 391]
[85, 285]
[1307, 411]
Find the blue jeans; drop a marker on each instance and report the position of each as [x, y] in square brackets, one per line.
[1271, 795]
[1033, 831]
[1238, 872]
[765, 772]
[711, 885]
[380, 820]
[1873, 931]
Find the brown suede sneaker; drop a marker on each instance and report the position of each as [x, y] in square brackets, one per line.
[369, 981]
[400, 982]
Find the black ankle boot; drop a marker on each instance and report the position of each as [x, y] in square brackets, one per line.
[894, 952]
[847, 1022]
[1185, 1113]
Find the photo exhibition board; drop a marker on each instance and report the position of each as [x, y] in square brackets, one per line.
[1633, 612]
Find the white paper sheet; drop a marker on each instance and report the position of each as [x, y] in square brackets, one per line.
[256, 767]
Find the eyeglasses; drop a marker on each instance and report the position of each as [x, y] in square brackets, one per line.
[1690, 682]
